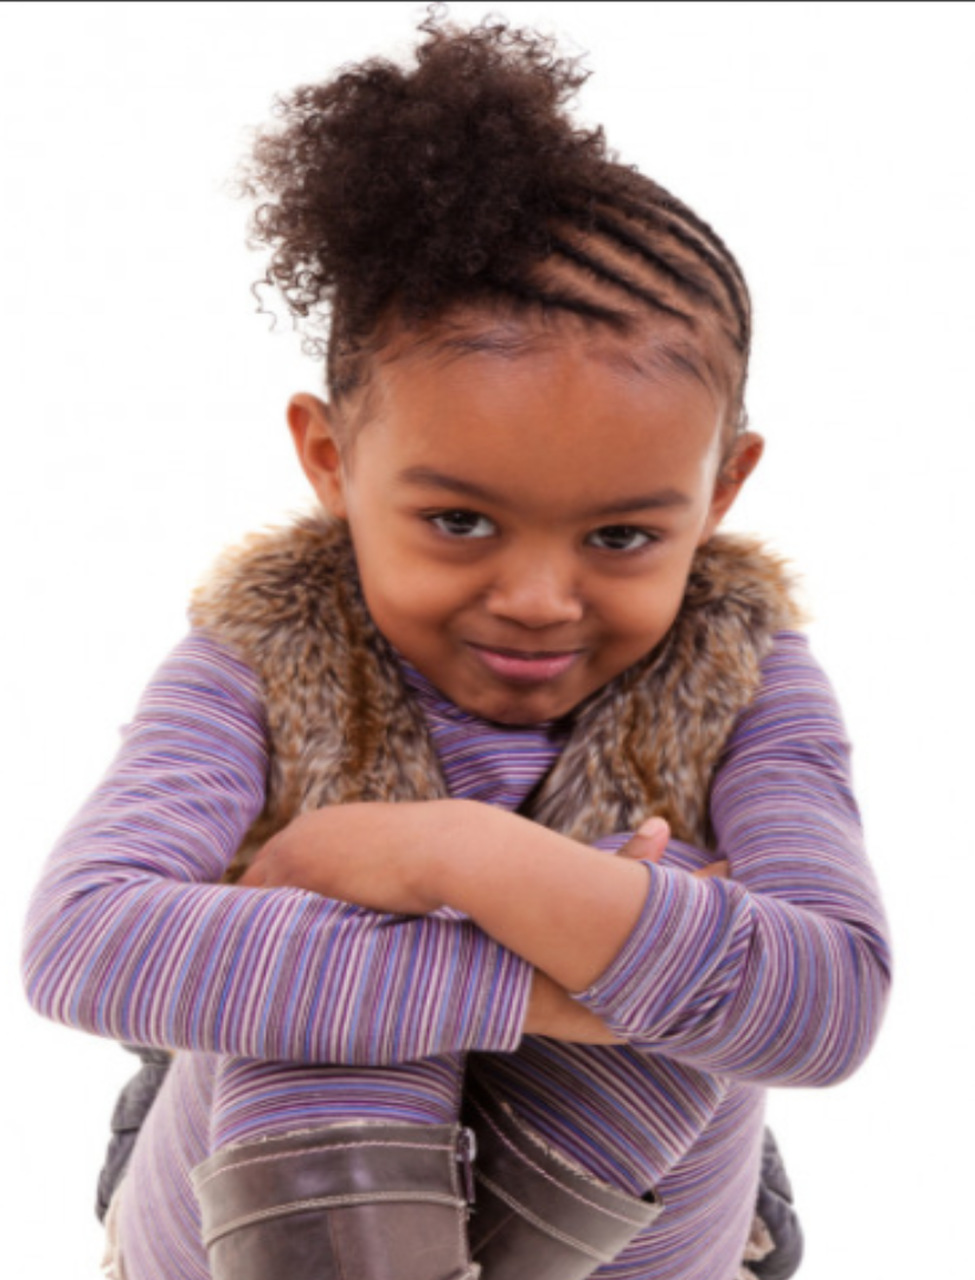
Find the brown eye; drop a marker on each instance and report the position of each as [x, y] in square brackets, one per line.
[621, 537]
[462, 524]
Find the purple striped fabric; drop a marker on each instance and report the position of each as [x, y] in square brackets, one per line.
[777, 976]
[482, 761]
[128, 939]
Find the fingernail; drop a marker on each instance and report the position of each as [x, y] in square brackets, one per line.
[652, 827]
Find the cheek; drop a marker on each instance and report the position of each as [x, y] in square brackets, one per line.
[641, 615]
[406, 598]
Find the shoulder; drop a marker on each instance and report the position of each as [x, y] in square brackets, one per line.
[794, 694]
[203, 686]
[201, 662]
[194, 756]
[793, 721]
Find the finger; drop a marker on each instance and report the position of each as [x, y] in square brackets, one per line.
[719, 869]
[649, 842]
[255, 876]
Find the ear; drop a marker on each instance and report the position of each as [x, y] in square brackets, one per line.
[316, 441]
[744, 456]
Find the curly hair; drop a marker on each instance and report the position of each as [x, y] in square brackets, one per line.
[462, 179]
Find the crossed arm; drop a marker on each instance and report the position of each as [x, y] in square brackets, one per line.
[777, 974]
[562, 906]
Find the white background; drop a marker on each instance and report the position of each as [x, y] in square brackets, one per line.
[142, 412]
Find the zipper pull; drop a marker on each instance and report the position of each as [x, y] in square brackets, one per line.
[466, 1155]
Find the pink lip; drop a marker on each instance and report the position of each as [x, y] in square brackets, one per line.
[523, 667]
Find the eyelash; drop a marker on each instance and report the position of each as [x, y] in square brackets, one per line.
[440, 519]
[649, 538]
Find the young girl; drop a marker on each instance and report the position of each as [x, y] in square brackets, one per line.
[436, 1029]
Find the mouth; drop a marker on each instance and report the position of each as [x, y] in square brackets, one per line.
[522, 666]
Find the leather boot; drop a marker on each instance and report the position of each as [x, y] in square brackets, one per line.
[535, 1217]
[348, 1202]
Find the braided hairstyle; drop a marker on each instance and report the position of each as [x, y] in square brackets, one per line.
[407, 195]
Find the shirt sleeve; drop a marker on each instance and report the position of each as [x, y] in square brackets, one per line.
[780, 974]
[128, 936]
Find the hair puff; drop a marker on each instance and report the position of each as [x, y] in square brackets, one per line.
[422, 186]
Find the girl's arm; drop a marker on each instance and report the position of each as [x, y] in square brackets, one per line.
[777, 975]
[129, 937]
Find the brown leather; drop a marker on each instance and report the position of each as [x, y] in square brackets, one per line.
[534, 1217]
[350, 1202]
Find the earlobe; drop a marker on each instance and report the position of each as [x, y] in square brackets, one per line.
[743, 458]
[310, 421]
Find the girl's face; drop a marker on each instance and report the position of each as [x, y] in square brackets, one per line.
[524, 522]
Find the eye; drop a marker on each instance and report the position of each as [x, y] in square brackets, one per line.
[621, 537]
[462, 524]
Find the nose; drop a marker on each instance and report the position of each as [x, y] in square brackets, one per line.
[536, 588]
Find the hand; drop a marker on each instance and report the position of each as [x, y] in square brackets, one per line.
[649, 844]
[551, 1010]
[368, 854]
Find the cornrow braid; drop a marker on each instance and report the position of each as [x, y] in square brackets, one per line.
[564, 298]
[703, 242]
[612, 275]
[410, 192]
[677, 271]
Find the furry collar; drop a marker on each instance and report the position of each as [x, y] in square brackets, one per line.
[343, 727]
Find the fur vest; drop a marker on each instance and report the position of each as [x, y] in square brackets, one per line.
[343, 727]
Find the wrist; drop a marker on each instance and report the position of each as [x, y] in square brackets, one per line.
[459, 861]
[553, 1013]
[438, 841]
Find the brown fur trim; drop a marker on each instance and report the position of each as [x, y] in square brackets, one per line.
[343, 727]
[650, 741]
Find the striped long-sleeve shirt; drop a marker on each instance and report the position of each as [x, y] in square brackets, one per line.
[777, 976]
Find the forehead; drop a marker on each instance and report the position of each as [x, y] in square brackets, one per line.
[534, 413]
[656, 350]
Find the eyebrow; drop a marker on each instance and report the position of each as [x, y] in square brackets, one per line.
[430, 477]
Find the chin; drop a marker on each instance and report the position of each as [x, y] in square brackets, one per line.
[516, 719]
[519, 714]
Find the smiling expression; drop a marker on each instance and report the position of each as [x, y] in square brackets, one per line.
[524, 522]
